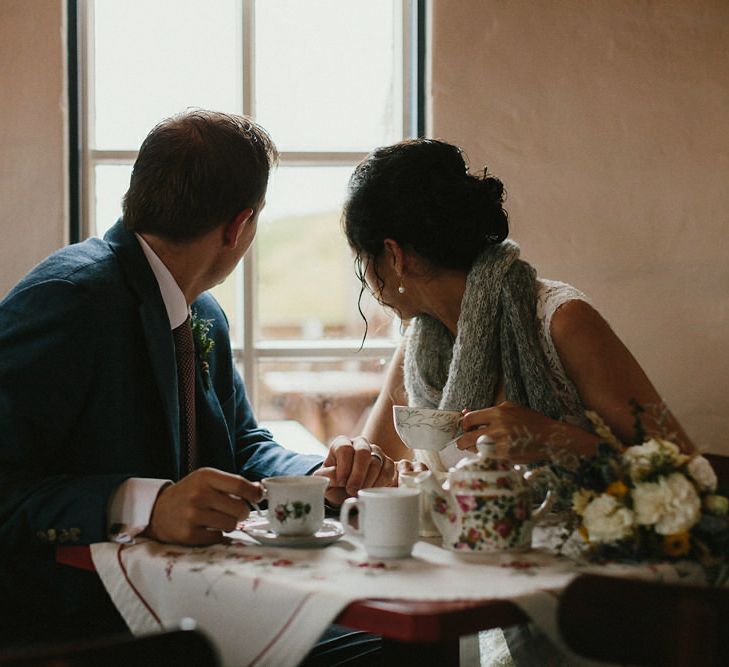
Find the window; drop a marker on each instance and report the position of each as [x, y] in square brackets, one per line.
[330, 80]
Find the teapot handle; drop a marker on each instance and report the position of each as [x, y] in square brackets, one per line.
[551, 497]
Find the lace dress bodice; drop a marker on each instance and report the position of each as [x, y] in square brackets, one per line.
[552, 294]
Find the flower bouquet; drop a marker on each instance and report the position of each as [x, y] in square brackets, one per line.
[650, 501]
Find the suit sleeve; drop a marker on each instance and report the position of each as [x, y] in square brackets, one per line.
[257, 455]
[47, 357]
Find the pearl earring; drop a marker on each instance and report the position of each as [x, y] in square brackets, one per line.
[401, 289]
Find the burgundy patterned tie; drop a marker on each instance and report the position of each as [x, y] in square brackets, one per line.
[185, 354]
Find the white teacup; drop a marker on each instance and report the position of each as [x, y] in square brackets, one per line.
[295, 503]
[426, 428]
[388, 520]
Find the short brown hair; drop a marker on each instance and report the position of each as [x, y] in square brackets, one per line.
[195, 171]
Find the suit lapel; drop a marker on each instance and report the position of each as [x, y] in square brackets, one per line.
[164, 366]
[156, 327]
[214, 444]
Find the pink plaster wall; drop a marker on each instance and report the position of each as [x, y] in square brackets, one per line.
[608, 121]
[33, 209]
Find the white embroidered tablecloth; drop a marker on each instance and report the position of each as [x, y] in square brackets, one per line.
[267, 606]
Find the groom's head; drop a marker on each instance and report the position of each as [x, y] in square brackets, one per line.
[196, 171]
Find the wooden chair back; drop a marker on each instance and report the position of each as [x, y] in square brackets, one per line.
[645, 623]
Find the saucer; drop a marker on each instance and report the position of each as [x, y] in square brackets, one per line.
[260, 531]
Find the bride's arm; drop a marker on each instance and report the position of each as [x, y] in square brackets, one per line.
[379, 427]
[606, 376]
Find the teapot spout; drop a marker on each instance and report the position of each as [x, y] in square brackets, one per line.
[439, 501]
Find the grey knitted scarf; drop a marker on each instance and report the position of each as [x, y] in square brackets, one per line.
[497, 337]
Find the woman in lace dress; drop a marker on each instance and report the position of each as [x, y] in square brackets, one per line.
[521, 356]
[524, 357]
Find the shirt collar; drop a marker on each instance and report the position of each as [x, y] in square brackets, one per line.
[172, 296]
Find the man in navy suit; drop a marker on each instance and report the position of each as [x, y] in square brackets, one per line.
[100, 437]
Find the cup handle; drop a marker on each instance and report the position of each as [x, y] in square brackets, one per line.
[551, 496]
[257, 507]
[347, 507]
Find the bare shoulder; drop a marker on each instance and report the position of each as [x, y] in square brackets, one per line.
[577, 317]
[590, 351]
[573, 315]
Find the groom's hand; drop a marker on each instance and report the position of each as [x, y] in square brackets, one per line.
[354, 464]
[201, 506]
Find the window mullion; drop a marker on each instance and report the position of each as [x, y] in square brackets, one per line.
[86, 92]
[249, 262]
[409, 57]
[116, 157]
[321, 158]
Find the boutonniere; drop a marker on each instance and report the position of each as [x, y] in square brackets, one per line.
[203, 344]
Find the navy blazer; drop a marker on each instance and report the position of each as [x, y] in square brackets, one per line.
[88, 395]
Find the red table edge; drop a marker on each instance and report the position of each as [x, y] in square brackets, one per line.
[430, 620]
[75, 556]
[402, 620]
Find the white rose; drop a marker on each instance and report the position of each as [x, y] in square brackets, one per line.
[702, 473]
[641, 458]
[580, 500]
[606, 520]
[671, 505]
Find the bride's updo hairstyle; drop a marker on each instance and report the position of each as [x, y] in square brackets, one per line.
[420, 193]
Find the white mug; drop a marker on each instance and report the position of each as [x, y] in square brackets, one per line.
[295, 503]
[388, 520]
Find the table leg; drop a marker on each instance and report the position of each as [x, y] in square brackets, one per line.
[422, 654]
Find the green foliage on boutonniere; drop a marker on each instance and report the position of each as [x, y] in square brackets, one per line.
[203, 343]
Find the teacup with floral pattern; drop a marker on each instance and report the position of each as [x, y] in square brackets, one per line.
[295, 503]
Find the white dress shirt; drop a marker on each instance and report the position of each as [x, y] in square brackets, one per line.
[130, 508]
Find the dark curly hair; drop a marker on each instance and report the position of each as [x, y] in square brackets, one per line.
[196, 171]
[421, 194]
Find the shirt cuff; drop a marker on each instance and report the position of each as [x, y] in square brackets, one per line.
[131, 506]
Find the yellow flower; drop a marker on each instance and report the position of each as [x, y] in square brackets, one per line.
[677, 544]
[617, 489]
[583, 532]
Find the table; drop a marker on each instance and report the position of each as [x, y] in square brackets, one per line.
[424, 631]
[421, 605]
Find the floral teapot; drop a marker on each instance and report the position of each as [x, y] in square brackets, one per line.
[485, 504]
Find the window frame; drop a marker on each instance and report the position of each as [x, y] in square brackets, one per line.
[249, 351]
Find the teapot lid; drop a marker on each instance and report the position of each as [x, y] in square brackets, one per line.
[484, 460]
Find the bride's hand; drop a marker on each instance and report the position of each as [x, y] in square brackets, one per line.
[519, 434]
[405, 465]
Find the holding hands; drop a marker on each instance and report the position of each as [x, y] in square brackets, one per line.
[208, 502]
[354, 464]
